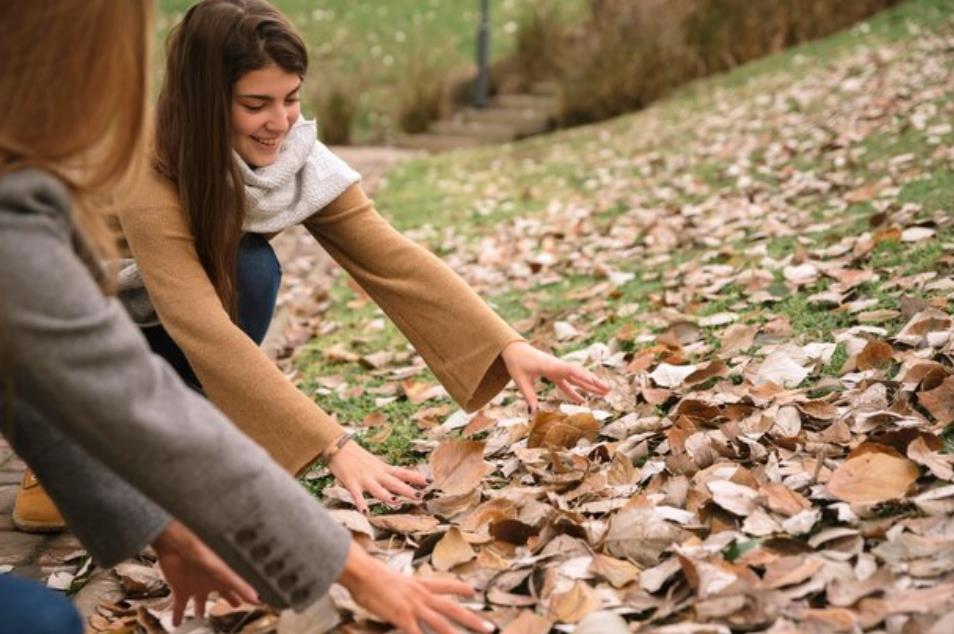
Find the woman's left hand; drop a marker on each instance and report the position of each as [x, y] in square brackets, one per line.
[192, 571]
[358, 470]
[526, 364]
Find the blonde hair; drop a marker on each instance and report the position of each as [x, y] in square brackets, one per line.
[73, 75]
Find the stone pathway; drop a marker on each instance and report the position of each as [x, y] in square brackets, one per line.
[37, 557]
[26, 555]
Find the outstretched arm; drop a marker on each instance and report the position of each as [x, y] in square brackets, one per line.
[473, 352]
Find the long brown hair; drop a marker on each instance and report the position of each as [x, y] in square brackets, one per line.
[73, 77]
[216, 43]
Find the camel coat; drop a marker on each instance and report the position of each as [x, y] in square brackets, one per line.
[457, 334]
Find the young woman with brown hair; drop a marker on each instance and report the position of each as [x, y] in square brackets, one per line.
[236, 163]
[122, 444]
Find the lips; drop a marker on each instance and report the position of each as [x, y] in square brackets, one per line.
[267, 143]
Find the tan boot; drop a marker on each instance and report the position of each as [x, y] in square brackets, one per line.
[34, 511]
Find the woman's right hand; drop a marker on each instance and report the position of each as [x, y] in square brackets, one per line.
[360, 471]
[407, 602]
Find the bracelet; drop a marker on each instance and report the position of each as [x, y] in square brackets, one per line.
[335, 447]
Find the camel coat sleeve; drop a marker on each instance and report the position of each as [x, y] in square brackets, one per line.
[426, 300]
[457, 334]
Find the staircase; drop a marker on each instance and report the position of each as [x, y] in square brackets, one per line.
[506, 118]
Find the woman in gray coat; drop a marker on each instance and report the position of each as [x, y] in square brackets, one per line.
[87, 406]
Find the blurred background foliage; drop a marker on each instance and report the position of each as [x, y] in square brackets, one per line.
[379, 67]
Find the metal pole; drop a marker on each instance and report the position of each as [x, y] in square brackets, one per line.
[482, 84]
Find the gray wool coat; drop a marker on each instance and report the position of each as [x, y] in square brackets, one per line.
[117, 439]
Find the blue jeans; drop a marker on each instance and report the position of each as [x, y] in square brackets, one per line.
[26, 606]
[258, 276]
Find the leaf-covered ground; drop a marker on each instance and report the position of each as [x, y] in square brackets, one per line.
[761, 266]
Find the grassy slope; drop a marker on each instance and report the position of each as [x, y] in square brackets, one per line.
[472, 193]
[366, 43]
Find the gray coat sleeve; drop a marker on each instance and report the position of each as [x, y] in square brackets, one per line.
[112, 519]
[81, 364]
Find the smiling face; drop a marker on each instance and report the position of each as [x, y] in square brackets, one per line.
[265, 105]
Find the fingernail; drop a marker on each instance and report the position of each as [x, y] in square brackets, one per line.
[489, 627]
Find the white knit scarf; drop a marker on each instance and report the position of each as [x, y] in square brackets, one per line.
[305, 178]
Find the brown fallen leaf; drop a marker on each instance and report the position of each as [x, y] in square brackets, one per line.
[618, 572]
[641, 535]
[705, 578]
[817, 409]
[574, 604]
[418, 392]
[374, 419]
[557, 430]
[405, 524]
[938, 464]
[940, 401]
[528, 622]
[872, 477]
[876, 355]
[831, 619]
[738, 338]
[377, 359]
[783, 500]
[787, 571]
[141, 581]
[602, 622]
[458, 466]
[480, 422]
[712, 370]
[512, 531]
[451, 550]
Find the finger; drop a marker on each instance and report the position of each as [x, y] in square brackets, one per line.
[230, 582]
[409, 625]
[447, 586]
[357, 494]
[451, 609]
[567, 389]
[595, 381]
[588, 380]
[437, 622]
[525, 385]
[200, 600]
[411, 477]
[233, 599]
[178, 607]
[379, 492]
[396, 486]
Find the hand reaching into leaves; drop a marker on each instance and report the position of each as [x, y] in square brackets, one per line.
[359, 471]
[526, 364]
[408, 602]
[192, 570]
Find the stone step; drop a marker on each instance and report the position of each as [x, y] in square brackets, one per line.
[486, 132]
[546, 103]
[527, 122]
[436, 142]
[549, 88]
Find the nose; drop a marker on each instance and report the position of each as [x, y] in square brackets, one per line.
[278, 119]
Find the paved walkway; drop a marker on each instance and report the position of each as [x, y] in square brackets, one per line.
[38, 557]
